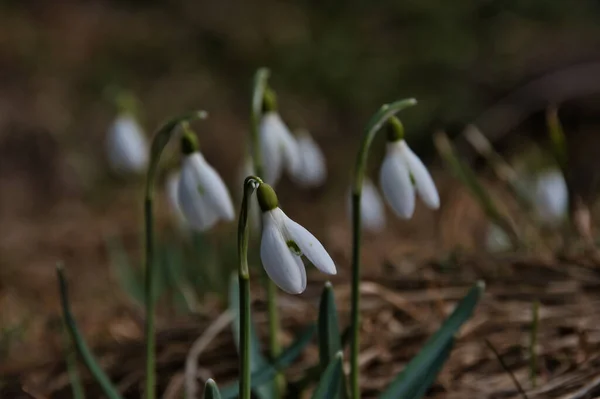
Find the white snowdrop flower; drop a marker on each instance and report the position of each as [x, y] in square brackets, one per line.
[278, 147]
[497, 240]
[172, 192]
[203, 196]
[283, 244]
[127, 146]
[372, 212]
[403, 173]
[551, 197]
[312, 171]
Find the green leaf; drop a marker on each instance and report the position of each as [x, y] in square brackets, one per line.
[330, 340]
[84, 351]
[329, 331]
[268, 372]
[331, 380]
[266, 390]
[421, 371]
[211, 391]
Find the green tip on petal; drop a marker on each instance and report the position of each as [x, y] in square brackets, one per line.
[395, 129]
[267, 199]
[269, 101]
[189, 141]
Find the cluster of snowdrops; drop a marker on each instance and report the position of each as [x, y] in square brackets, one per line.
[200, 196]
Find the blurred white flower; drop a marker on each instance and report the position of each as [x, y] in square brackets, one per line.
[283, 244]
[372, 212]
[497, 240]
[279, 149]
[401, 173]
[312, 171]
[551, 197]
[203, 197]
[126, 146]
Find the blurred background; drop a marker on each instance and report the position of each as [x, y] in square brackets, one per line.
[496, 63]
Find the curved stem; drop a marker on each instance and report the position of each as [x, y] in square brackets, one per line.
[259, 88]
[374, 125]
[159, 142]
[250, 184]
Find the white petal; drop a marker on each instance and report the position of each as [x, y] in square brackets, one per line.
[371, 208]
[396, 184]
[551, 196]
[127, 146]
[284, 268]
[312, 171]
[197, 212]
[172, 191]
[211, 186]
[270, 147]
[309, 245]
[423, 181]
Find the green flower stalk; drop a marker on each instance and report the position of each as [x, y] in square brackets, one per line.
[374, 125]
[159, 142]
[261, 96]
[250, 184]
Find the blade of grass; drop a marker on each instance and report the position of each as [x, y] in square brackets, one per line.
[84, 351]
[331, 379]
[427, 363]
[211, 391]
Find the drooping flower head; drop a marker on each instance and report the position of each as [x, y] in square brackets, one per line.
[312, 171]
[126, 145]
[403, 175]
[550, 196]
[277, 144]
[283, 244]
[203, 196]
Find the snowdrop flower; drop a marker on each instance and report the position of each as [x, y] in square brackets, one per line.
[403, 173]
[312, 170]
[172, 191]
[277, 144]
[372, 213]
[203, 197]
[550, 196]
[284, 242]
[126, 145]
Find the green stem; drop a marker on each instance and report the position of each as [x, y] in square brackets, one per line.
[250, 185]
[374, 125]
[159, 142]
[260, 86]
[84, 351]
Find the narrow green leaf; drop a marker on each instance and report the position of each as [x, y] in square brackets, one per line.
[329, 331]
[84, 351]
[265, 390]
[425, 366]
[72, 369]
[331, 380]
[268, 372]
[419, 390]
[211, 390]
